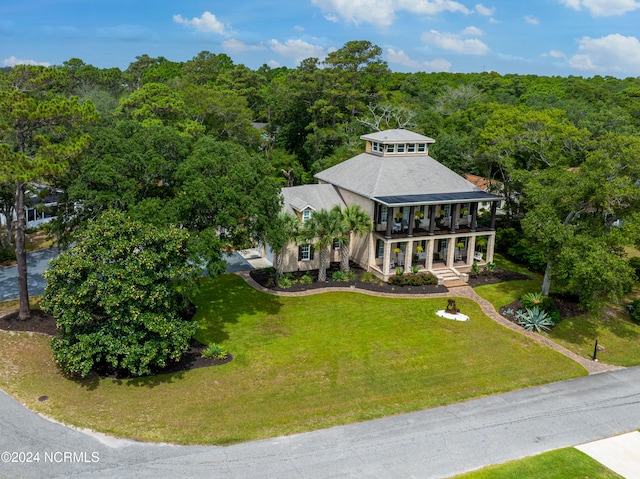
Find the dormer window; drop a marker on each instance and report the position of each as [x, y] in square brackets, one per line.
[306, 215]
[377, 147]
[391, 148]
[422, 147]
[401, 148]
[411, 148]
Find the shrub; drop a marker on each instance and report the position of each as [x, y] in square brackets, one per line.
[215, 351]
[6, 255]
[399, 271]
[634, 311]
[535, 319]
[490, 266]
[530, 300]
[285, 281]
[415, 269]
[419, 279]
[306, 278]
[635, 264]
[342, 276]
[369, 277]
[475, 268]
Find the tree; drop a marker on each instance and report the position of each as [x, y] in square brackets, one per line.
[582, 217]
[324, 226]
[355, 221]
[284, 229]
[225, 196]
[41, 134]
[117, 295]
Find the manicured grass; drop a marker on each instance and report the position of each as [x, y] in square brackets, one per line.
[300, 363]
[568, 463]
[613, 329]
[14, 304]
[501, 294]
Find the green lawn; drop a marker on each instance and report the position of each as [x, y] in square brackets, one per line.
[612, 327]
[566, 463]
[301, 363]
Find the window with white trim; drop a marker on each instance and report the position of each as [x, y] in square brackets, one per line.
[391, 148]
[384, 213]
[306, 215]
[411, 147]
[305, 252]
[401, 148]
[422, 147]
[379, 248]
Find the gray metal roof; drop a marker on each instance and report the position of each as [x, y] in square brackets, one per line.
[436, 199]
[315, 197]
[375, 177]
[397, 136]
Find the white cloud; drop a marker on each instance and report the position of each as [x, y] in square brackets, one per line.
[603, 8]
[383, 12]
[206, 23]
[556, 54]
[399, 57]
[274, 64]
[13, 61]
[297, 50]
[486, 11]
[236, 46]
[454, 42]
[471, 31]
[531, 20]
[611, 53]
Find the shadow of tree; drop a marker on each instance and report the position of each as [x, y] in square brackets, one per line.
[223, 300]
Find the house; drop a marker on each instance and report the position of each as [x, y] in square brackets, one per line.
[41, 204]
[424, 215]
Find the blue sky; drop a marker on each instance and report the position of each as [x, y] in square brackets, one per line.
[542, 37]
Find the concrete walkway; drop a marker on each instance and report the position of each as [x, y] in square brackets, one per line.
[466, 291]
[621, 453]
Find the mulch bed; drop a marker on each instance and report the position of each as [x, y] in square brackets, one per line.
[568, 307]
[497, 276]
[41, 322]
[264, 277]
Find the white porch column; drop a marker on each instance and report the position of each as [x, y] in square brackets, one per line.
[491, 244]
[471, 249]
[386, 258]
[430, 248]
[451, 252]
[408, 256]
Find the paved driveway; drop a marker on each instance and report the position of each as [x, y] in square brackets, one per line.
[435, 443]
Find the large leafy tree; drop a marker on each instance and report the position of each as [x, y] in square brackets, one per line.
[226, 196]
[117, 295]
[41, 134]
[582, 217]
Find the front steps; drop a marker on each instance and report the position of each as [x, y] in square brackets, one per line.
[450, 277]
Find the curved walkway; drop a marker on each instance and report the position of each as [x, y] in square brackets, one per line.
[592, 367]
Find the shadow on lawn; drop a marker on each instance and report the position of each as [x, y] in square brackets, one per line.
[223, 301]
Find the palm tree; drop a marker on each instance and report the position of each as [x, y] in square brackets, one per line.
[354, 220]
[284, 229]
[324, 226]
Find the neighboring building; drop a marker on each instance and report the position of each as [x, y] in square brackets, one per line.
[489, 186]
[41, 204]
[423, 213]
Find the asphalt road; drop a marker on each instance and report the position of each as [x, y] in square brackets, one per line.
[435, 443]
